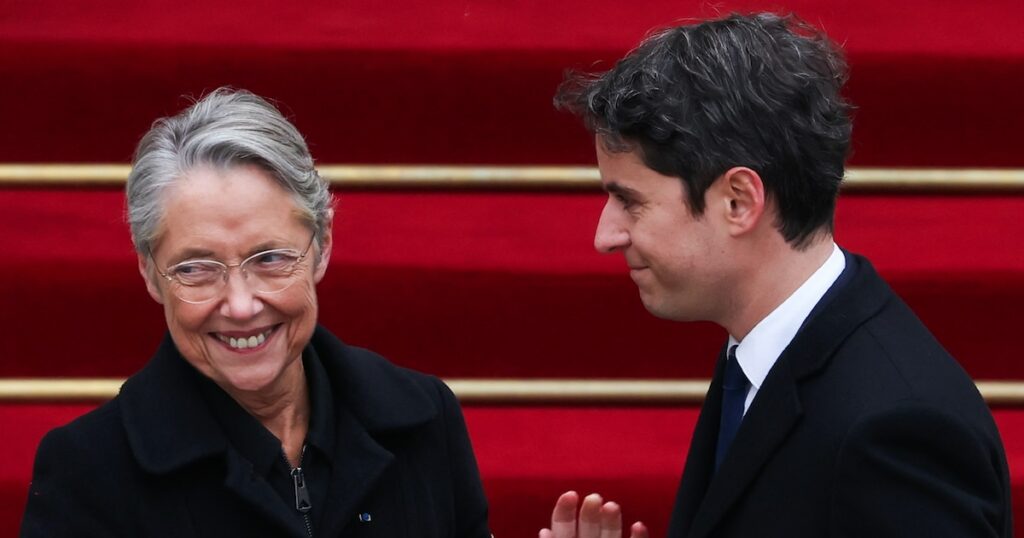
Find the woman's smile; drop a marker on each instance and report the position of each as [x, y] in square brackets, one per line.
[246, 341]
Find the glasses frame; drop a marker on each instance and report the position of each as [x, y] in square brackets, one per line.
[226, 270]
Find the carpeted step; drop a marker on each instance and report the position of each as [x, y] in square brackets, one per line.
[491, 284]
[455, 81]
[527, 457]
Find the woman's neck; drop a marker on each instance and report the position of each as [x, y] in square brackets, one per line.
[283, 408]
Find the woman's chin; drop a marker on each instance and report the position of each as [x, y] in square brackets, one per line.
[251, 378]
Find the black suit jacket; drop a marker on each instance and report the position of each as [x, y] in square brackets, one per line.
[153, 462]
[864, 427]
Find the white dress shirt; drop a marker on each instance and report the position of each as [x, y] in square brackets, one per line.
[761, 347]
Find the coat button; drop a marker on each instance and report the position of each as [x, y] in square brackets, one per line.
[365, 517]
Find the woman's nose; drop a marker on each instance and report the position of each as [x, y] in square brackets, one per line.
[240, 300]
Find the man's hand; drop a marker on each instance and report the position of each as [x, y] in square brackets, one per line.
[597, 519]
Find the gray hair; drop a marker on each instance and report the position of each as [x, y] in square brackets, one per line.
[224, 129]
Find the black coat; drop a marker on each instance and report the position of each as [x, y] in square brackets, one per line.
[864, 427]
[152, 462]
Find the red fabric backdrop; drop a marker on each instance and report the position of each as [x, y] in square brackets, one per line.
[471, 81]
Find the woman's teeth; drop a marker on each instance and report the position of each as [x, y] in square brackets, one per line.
[244, 343]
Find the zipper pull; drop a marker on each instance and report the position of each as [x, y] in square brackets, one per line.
[302, 502]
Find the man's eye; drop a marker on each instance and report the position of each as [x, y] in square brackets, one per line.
[624, 201]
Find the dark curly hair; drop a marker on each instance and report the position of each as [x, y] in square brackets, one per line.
[761, 91]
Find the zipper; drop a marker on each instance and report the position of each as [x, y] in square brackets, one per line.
[303, 502]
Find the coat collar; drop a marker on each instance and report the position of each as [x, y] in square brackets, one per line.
[380, 395]
[169, 425]
[857, 296]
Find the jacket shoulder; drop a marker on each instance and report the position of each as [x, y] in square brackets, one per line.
[382, 395]
[95, 436]
[83, 476]
[895, 349]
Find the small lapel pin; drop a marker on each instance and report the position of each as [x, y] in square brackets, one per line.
[365, 517]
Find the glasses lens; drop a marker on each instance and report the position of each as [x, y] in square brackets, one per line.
[271, 271]
[197, 281]
[201, 281]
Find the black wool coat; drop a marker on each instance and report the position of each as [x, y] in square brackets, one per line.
[865, 427]
[153, 462]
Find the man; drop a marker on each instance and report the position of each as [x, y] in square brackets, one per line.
[832, 410]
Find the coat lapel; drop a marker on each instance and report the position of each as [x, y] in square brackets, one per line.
[768, 422]
[167, 438]
[777, 408]
[373, 399]
[359, 463]
[700, 461]
[164, 416]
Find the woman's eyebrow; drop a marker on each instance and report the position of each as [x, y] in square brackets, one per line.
[191, 254]
[268, 245]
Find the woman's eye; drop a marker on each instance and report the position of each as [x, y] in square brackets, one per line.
[195, 272]
[274, 259]
[193, 269]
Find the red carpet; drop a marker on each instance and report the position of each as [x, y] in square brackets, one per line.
[485, 284]
[472, 81]
[527, 456]
[466, 284]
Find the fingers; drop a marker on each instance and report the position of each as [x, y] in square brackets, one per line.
[596, 519]
[611, 520]
[563, 518]
[590, 517]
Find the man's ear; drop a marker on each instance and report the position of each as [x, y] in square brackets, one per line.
[743, 194]
[325, 250]
[149, 276]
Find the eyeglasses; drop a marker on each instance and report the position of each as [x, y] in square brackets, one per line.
[201, 281]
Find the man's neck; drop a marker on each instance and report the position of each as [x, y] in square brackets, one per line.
[774, 274]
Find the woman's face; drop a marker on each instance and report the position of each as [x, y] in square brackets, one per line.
[227, 216]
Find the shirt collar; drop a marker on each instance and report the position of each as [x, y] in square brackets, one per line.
[764, 344]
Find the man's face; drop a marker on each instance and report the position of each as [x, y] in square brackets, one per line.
[677, 260]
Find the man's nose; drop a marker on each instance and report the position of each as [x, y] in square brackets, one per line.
[611, 235]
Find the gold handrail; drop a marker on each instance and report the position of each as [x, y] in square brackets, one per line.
[479, 391]
[523, 177]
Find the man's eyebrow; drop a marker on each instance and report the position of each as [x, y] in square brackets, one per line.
[616, 188]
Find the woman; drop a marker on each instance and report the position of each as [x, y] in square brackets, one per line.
[250, 420]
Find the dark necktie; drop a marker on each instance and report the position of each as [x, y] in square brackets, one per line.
[734, 394]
